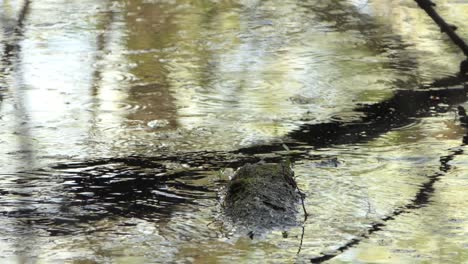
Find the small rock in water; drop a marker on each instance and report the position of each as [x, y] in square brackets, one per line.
[158, 123]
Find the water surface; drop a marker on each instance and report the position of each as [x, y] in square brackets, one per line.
[121, 121]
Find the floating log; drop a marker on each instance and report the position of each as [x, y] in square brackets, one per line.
[262, 196]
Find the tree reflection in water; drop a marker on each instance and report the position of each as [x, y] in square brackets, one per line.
[208, 66]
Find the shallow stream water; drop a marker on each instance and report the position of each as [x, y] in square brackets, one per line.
[120, 122]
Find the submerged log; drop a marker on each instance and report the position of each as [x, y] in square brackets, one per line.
[261, 197]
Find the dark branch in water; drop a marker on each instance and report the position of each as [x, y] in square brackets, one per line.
[421, 199]
[379, 118]
[428, 6]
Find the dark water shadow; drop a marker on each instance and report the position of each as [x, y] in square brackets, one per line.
[84, 192]
[403, 109]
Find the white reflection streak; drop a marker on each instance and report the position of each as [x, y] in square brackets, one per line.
[60, 66]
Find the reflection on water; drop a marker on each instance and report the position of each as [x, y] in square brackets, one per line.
[143, 103]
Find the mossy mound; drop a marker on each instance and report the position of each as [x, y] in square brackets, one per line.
[262, 196]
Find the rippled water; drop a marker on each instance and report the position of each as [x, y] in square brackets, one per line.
[120, 122]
